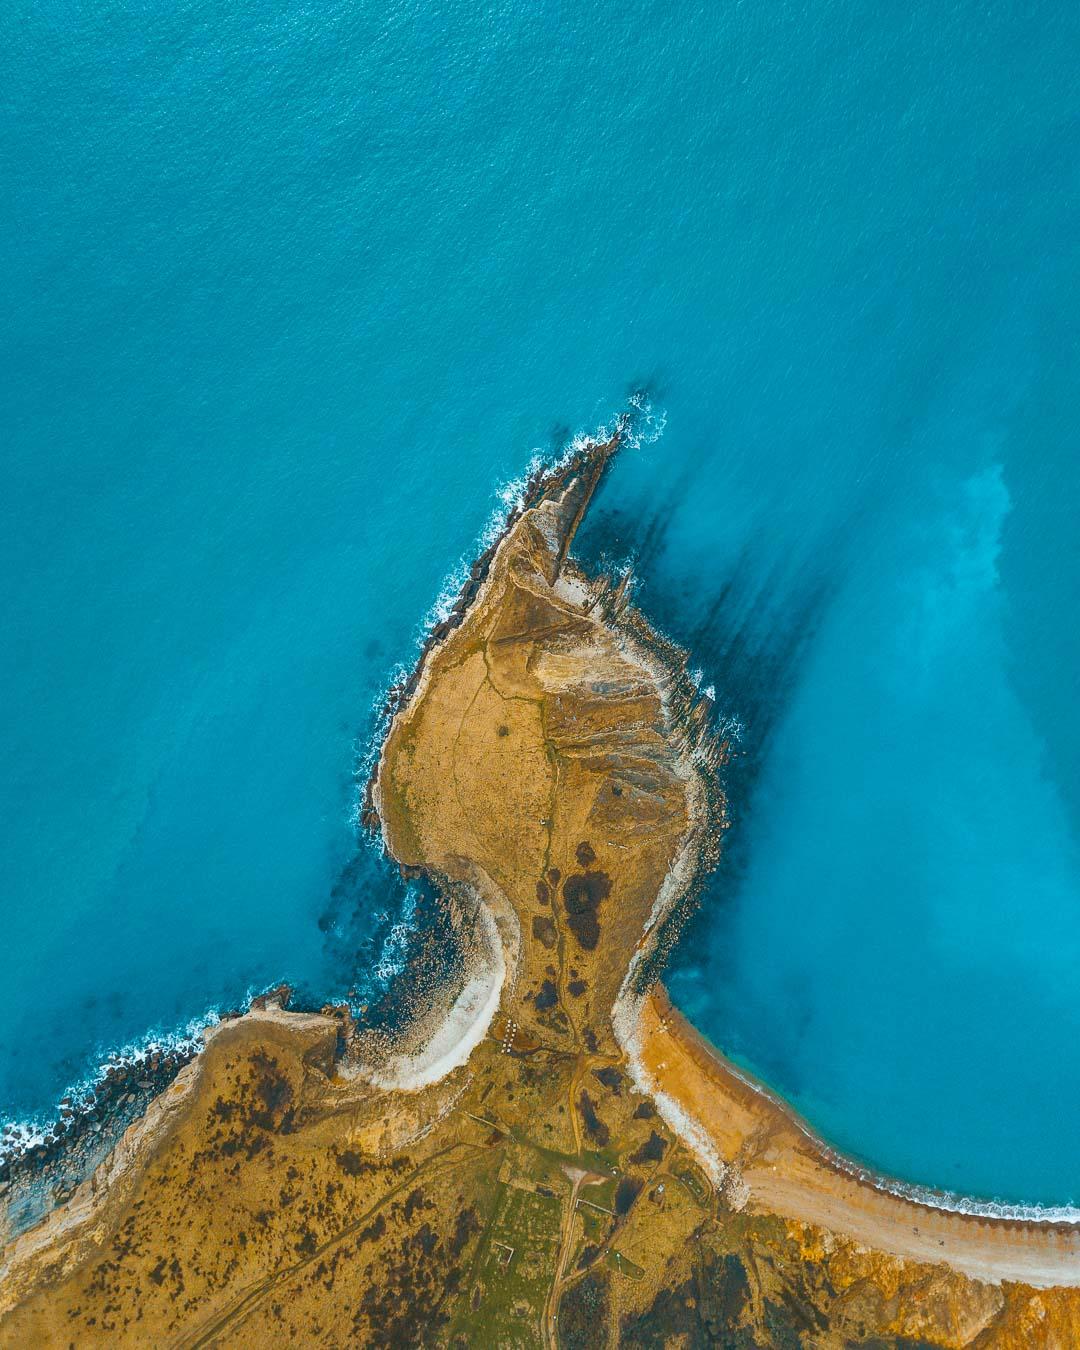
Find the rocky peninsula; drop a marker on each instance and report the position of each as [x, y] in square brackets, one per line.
[548, 1155]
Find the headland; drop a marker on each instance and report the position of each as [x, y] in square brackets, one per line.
[548, 1154]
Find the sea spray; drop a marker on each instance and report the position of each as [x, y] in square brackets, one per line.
[118, 1068]
[47, 1134]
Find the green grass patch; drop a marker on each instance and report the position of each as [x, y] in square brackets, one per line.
[694, 1181]
[513, 1272]
[624, 1266]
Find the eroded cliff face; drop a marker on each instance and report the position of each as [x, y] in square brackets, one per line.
[549, 768]
[551, 758]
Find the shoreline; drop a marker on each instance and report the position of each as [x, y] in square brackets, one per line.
[916, 1193]
[539, 483]
[774, 1163]
[43, 1161]
[438, 1035]
[1035, 1245]
[552, 769]
[118, 1093]
[759, 1153]
[443, 1036]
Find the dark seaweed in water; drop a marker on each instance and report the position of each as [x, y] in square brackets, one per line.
[750, 648]
[591, 461]
[38, 1177]
[33, 1180]
[430, 960]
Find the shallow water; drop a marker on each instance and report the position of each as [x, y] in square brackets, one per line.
[291, 289]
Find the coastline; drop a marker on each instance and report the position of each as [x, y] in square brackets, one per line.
[69, 1227]
[117, 1105]
[549, 749]
[930, 1197]
[117, 1094]
[541, 482]
[42, 1163]
[774, 1163]
[811, 1181]
[817, 1184]
[441, 1037]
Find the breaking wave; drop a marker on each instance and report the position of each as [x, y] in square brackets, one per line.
[19, 1136]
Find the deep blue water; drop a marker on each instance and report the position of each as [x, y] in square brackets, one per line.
[290, 289]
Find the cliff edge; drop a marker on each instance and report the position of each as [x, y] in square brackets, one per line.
[550, 1157]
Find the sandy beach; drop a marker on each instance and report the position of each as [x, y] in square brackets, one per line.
[775, 1165]
[550, 765]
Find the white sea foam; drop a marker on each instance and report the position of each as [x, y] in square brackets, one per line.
[395, 947]
[729, 727]
[19, 1135]
[948, 1201]
[16, 1136]
[644, 426]
[697, 676]
[463, 1027]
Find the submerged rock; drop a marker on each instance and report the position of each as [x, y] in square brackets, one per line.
[473, 1173]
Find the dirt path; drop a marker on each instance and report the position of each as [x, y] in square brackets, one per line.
[208, 1333]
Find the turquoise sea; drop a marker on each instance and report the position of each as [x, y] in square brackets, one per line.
[290, 290]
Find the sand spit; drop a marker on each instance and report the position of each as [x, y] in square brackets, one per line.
[775, 1165]
[549, 767]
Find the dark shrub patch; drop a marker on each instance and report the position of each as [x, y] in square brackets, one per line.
[375, 1230]
[544, 930]
[652, 1150]
[547, 997]
[610, 1077]
[626, 1192]
[465, 1226]
[353, 1164]
[582, 894]
[414, 1201]
[272, 1091]
[593, 1124]
[723, 1293]
[583, 1313]
[589, 1253]
[671, 1319]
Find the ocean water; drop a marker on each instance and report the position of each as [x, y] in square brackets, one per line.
[290, 290]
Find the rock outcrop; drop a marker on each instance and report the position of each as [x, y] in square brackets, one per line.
[549, 1157]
